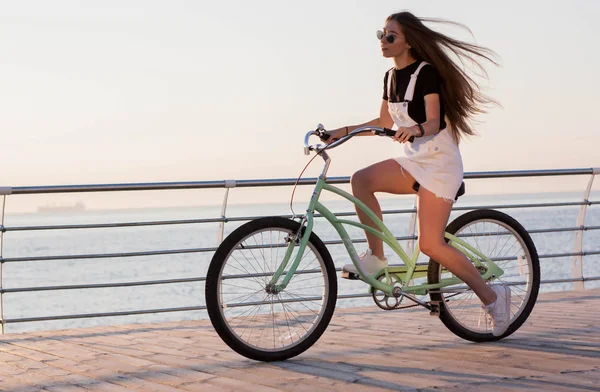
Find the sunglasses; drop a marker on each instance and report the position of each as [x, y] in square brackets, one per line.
[389, 38]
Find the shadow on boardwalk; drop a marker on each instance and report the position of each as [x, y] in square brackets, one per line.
[558, 349]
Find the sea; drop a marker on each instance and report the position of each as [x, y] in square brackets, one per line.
[43, 243]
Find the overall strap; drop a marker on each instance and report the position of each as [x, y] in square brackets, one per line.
[410, 90]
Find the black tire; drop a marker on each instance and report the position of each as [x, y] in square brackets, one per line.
[224, 321]
[522, 299]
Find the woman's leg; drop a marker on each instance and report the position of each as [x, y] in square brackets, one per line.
[386, 176]
[433, 213]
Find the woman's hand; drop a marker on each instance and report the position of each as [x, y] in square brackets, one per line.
[404, 133]
[335, 135]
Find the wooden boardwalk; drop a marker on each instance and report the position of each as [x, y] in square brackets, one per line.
[558, 349]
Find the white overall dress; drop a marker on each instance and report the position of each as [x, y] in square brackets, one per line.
[435, 160]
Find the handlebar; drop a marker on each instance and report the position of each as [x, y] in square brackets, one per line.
[324, 136]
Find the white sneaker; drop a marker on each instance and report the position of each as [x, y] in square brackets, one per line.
[369, 264]
[499, 310]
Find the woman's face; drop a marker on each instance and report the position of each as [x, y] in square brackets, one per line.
[399, 46]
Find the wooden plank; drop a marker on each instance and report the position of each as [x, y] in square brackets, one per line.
[364, 349]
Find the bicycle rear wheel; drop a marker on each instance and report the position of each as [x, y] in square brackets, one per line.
[247, 315]
[503, 240]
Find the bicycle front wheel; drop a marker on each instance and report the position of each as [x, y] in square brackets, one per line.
[506, 242]
[247, 315]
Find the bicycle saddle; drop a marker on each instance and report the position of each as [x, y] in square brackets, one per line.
[461, 190]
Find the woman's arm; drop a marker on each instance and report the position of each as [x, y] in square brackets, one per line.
[430, 127]
[432, 113]
[384, 120]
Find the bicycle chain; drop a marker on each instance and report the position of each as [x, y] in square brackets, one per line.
[382, 304]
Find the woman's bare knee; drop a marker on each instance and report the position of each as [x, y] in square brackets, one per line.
[430, 245]
[361, 181]
[386, 176]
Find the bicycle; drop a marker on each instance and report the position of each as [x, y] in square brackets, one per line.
[271, 286]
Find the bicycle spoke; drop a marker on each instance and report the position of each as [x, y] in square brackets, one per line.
[251, 263]
[497, 241]
[291, 312]
[240, 287]
[263, 258]
[302, 303]
[245, 296]
[252, 309]
[300, 319]
[242, 269]
[269, 321]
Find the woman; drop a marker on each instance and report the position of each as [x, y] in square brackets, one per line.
[428, 97]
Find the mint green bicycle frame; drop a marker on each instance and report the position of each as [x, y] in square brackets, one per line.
[408, 272]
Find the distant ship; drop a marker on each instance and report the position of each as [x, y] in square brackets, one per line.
[77, 207]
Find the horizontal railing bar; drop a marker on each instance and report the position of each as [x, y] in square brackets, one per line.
[136, 224]
[413, 210]
[107, 314]
[270, 273]
[592, 278]
[529, 205]
[551, 281]
[288, 216]
[349, 296]
[279, 301]
[557, 230]
[198, 308]
[213, 249]
[531, 231]
[134, 312]
[101, 285]
[153, 282]
[23, 190]
[203, 278]
[116, 224]
[590, 253]
[108, 255]
[528, 173]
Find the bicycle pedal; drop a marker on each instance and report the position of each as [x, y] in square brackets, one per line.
[350, 275]
[435, 308]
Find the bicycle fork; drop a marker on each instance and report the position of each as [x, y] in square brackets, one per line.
[301, 237]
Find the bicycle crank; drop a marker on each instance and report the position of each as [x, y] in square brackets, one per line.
[386, 302]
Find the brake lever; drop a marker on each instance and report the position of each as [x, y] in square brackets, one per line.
[322, 133]
[324, 136]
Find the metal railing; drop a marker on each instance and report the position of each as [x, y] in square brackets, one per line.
[577, 275]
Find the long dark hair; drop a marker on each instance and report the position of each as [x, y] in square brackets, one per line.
[461, 95]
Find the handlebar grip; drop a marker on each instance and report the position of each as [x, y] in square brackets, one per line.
[391, 132]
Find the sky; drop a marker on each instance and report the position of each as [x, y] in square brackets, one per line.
[150, 91]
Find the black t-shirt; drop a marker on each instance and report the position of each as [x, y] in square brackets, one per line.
[428, 82]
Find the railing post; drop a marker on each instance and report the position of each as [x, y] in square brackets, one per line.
[577, 264]
[1, 265]
[410, 246]
[228, 184]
